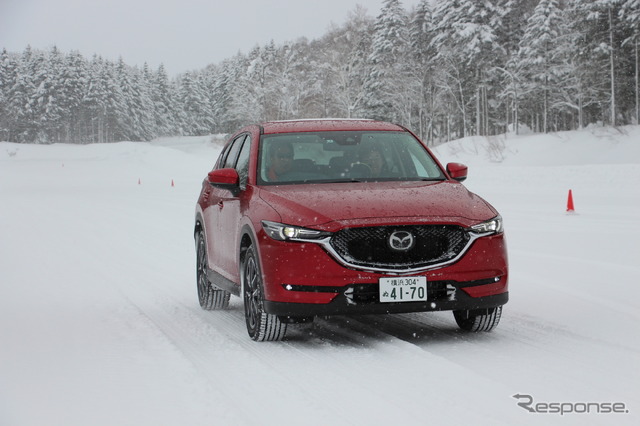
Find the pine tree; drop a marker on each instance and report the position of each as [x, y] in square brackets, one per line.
[72, 88]
[126, 114]
[468, 51]
[629, 14]
[250, 101]
[196, 110]
[93, 106]
[114, 102]
[163, 99]
[604, 60]
[343, 67]
[225, 80]
[143, 104]
[538, 59]
[387, 64]
[7, 80]
[422, 70]
[462, 67]
[19, 100]
[48, 97]
[293, 81]
[514, 16]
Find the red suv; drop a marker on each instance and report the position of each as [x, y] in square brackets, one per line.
[322, 217]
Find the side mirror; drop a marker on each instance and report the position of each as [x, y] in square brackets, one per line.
[225, 179]
[457, 171]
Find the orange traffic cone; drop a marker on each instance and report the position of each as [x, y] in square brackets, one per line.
[570, 207]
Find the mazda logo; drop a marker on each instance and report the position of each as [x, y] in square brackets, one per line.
[401, 240]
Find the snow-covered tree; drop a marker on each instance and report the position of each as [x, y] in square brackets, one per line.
[7, 80]
[197, 116]
[289, 85]
[605, 62]
[514, 15]
[343, 66]
[629, 14]
[225, 78]
[422, 70]
[387, 64]
[19, 99]
[73, 81]
[448, 68]
[164, 105]
[249, 93]
[538, 61]
[468, 50]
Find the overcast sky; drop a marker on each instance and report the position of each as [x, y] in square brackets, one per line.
[182, 34]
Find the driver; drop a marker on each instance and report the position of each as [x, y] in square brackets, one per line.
[280, 161]
[372, 156]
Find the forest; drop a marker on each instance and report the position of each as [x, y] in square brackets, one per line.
[448, 70]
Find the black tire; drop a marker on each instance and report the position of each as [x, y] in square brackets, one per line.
[478, 320]
[210, 298]
[261, 326]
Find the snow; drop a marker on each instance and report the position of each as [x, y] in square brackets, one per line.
[100, 323]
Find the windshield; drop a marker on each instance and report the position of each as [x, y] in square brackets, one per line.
[343, 156]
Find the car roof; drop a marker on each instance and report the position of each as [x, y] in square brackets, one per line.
[327, 124]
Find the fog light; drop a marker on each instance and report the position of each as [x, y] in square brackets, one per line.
[288, 287]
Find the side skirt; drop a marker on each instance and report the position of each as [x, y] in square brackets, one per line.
[223, 283]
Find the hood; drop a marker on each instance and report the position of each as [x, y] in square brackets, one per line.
[334, 205]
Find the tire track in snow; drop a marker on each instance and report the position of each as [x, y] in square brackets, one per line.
[521, 340]
[217, 346]
[334, 368]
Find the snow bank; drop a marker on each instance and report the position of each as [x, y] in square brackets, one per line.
[599, 145]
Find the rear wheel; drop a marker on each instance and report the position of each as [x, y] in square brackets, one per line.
[260, 325]
[210, 298]
[478, 320]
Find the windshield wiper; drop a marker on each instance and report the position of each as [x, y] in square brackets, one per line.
[344, 181]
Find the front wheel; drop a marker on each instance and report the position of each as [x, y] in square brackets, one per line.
[478, 320]
[260, 325]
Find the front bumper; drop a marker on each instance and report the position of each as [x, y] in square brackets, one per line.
[453, 297]
[302, 279]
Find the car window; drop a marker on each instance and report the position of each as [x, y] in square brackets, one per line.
[232, 155]
[222, 157]
[339, 156]
[242, 165]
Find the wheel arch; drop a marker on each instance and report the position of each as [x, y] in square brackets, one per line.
[247, 239]
[199, 224]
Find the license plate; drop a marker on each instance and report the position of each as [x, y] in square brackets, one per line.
[403, 289]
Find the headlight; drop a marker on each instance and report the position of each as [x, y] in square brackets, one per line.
[282, 232]
[493, 226]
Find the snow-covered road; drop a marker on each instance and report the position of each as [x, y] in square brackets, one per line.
[100, 323]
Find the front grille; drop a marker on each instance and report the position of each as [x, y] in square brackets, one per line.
[369, 246]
